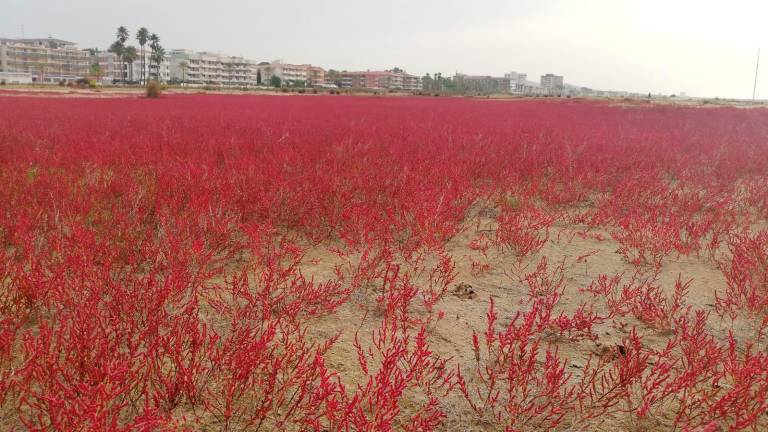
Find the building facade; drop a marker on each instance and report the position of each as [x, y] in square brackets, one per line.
[389, 80]
[46, 60]
[211, 68]
[113, 71]
[15, 78]
[552, 84]
[316, 77]
[518, 83]
[482, 83]
[292, 74]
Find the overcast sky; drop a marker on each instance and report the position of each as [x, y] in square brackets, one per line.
[701, 47]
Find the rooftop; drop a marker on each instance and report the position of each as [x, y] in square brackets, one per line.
[49, 41]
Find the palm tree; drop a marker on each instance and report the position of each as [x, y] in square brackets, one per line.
[158, 54]
[117, 48]
[159, 57]
[122, 37]
[142, 36]
[154, 45]
[130, 55]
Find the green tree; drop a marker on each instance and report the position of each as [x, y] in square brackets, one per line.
[334, 76]
[142, 36]
[96, 71]
[122, 37]
[427, 82]
[122, 34]
[130, 55]
[157, 54]
[117, 48]
[275, 81]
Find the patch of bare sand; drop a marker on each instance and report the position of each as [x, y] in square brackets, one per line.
[466, 311]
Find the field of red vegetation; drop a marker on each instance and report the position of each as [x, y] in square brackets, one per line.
[239, 263]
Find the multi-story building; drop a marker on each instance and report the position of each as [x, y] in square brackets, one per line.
[46, 60]
[411, 82]
[292, 74]
[518, 83]
[211, 68]
[552, 84]
[389, 80]
[113, 71]
[482, 83]
[316, 77]
[369, 79]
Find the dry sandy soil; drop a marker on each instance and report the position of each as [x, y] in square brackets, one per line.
[451, 337]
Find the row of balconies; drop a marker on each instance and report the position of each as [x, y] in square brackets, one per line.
[48, 58]
[43, 51]
[216, 63]
[222, 76]
[41, 62]
[12, 65]
[203, 80]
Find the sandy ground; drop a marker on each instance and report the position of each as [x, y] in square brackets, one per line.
[451, 337]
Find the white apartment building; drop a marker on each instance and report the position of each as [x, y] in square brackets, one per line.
[552, 84]
[290, 73]
[518, 83]
[47, 60]
[111, 68]
[212, 68]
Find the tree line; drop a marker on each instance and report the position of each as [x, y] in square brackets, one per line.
[128, 54]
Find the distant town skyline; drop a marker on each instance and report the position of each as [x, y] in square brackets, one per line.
[703, 49]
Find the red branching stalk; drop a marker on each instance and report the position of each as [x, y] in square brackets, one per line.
[508, 385]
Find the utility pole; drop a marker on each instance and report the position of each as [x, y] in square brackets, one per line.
[757, 68]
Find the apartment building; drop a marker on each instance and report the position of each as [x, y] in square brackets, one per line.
[114, 71]
[211, 68]
[292, 74]
[389, 80]
[47, 60]
[552, 84]
[518, 83]
[316, 77]
[369, 79]
[411, 82]
[482, 83]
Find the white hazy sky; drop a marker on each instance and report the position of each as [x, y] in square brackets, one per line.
[701, 47]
